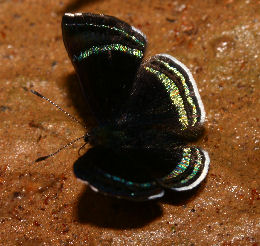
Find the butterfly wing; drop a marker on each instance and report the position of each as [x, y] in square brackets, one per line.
[106, 53]
[188, 171]
[166, 94]
[142, 174]
[121, 173]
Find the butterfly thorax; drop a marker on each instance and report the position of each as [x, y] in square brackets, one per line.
[106, 136]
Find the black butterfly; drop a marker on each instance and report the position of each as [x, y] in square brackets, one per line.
[146, 111]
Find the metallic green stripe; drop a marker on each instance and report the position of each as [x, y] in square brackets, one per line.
[174, 92]
[186, 90]
[182, 166]
[196, 168]
[104, 48]
[118, 30]
[129, 183]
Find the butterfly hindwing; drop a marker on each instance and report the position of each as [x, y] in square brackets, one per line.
[124, 173]
[142, 174]
[189, 171]
[106, 53]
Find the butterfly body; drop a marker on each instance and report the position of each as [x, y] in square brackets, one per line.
[147, 111]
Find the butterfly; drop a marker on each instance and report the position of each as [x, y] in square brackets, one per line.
[146, 111]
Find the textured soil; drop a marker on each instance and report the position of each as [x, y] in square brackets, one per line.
[44, 204]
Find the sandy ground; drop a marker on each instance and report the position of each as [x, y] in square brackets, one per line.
[44, 204]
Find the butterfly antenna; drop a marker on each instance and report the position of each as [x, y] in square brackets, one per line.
[56, 152]
[57, 106]
[85, 137]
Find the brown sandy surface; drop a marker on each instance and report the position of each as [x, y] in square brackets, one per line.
[44, 204]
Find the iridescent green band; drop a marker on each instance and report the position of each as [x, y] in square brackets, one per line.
[129, 183]
[196, 168]
[182, 166]
[186, 90]
[174, 92]
[111, 47]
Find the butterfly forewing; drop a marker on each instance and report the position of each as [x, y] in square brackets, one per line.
[106, 53]
[165, 93]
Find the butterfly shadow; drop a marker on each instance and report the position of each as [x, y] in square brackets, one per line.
[76, 5]
[109, 212]
[181, 198]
